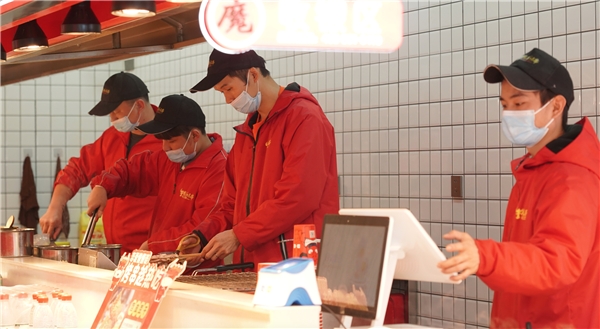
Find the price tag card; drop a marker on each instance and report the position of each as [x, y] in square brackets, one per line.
[137, 288]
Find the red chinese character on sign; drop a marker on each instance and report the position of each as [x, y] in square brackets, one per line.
[236, 16]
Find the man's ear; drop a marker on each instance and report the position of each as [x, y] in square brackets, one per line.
[559, 106]
[196, 134]
[254, 74]
[140, 103]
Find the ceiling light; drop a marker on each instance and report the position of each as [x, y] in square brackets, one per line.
[29, 37]
[3, 59]
[80, 20]
[134, 8]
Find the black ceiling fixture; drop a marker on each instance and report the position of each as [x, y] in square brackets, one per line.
[3, 54]
[134, 8]
[29, 37]
[81, 20]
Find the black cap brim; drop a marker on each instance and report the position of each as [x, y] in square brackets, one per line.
[103, 108]
[208, 82]
[155, 127]
[515, 76]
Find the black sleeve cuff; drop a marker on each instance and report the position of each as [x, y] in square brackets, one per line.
[203, 240]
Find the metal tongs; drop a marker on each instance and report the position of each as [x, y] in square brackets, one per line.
[170, 256]
[87, 238]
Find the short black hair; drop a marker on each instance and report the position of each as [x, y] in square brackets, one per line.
[179, 131]
[546, 95]
[243, 74]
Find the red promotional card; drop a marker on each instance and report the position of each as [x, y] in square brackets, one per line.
[137, 288]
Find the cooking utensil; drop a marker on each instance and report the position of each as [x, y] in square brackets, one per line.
[112, 251]
[170, 256]
[15, 241]
[223, 268]
[87, 237]
[58, 253]
[167, 257]
[10, 222]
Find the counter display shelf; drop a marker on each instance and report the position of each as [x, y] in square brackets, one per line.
[184, 306]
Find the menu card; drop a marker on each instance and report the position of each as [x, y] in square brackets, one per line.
[137, 288]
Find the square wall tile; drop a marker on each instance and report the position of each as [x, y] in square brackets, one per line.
[559, 21]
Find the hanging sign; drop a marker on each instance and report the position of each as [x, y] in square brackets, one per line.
[235, 26]
[136, 290]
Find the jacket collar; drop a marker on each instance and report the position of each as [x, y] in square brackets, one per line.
[291, 92]
[205, 158]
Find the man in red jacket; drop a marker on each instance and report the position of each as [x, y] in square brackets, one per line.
[126, 220]
[281, 170]
[546, 271]
[187, 177]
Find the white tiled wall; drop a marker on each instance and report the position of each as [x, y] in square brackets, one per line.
[405, 122]
[46, 118]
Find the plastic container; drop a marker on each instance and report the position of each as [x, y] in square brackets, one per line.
[42, 316]
[34, 306]
[66, 314]
[41, 239]
[6, 316]
[22, 309]
[56, 311]
[55, 299]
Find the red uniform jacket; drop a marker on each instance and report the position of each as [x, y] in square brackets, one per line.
[546, 269]
[287, 176]
[126, 220]
[185, 197]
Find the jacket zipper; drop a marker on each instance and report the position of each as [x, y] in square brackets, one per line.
[281, 237]
[250, 185]
[175, 182]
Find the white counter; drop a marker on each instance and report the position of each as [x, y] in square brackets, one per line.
[184, 306]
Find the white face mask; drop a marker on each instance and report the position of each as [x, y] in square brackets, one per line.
[245, 103]
[124, 125]
[520, 129]
[179, 155]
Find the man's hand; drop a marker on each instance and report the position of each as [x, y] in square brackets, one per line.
[51, 221]
[144, 246]
[467, 260]
[220, 246]
[97, 200]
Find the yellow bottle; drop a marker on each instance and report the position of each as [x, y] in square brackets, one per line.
[98, 236]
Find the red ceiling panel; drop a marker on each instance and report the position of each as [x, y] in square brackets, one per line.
[50, 19]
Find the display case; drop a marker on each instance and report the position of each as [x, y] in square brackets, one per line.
[184, 306]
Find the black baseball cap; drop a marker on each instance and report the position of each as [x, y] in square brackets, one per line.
[118, 88]
[220, 65]
[173, 111]
[536, 70]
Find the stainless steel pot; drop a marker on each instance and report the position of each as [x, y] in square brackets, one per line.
[16, 242]
[63, 254]
[112, 251]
